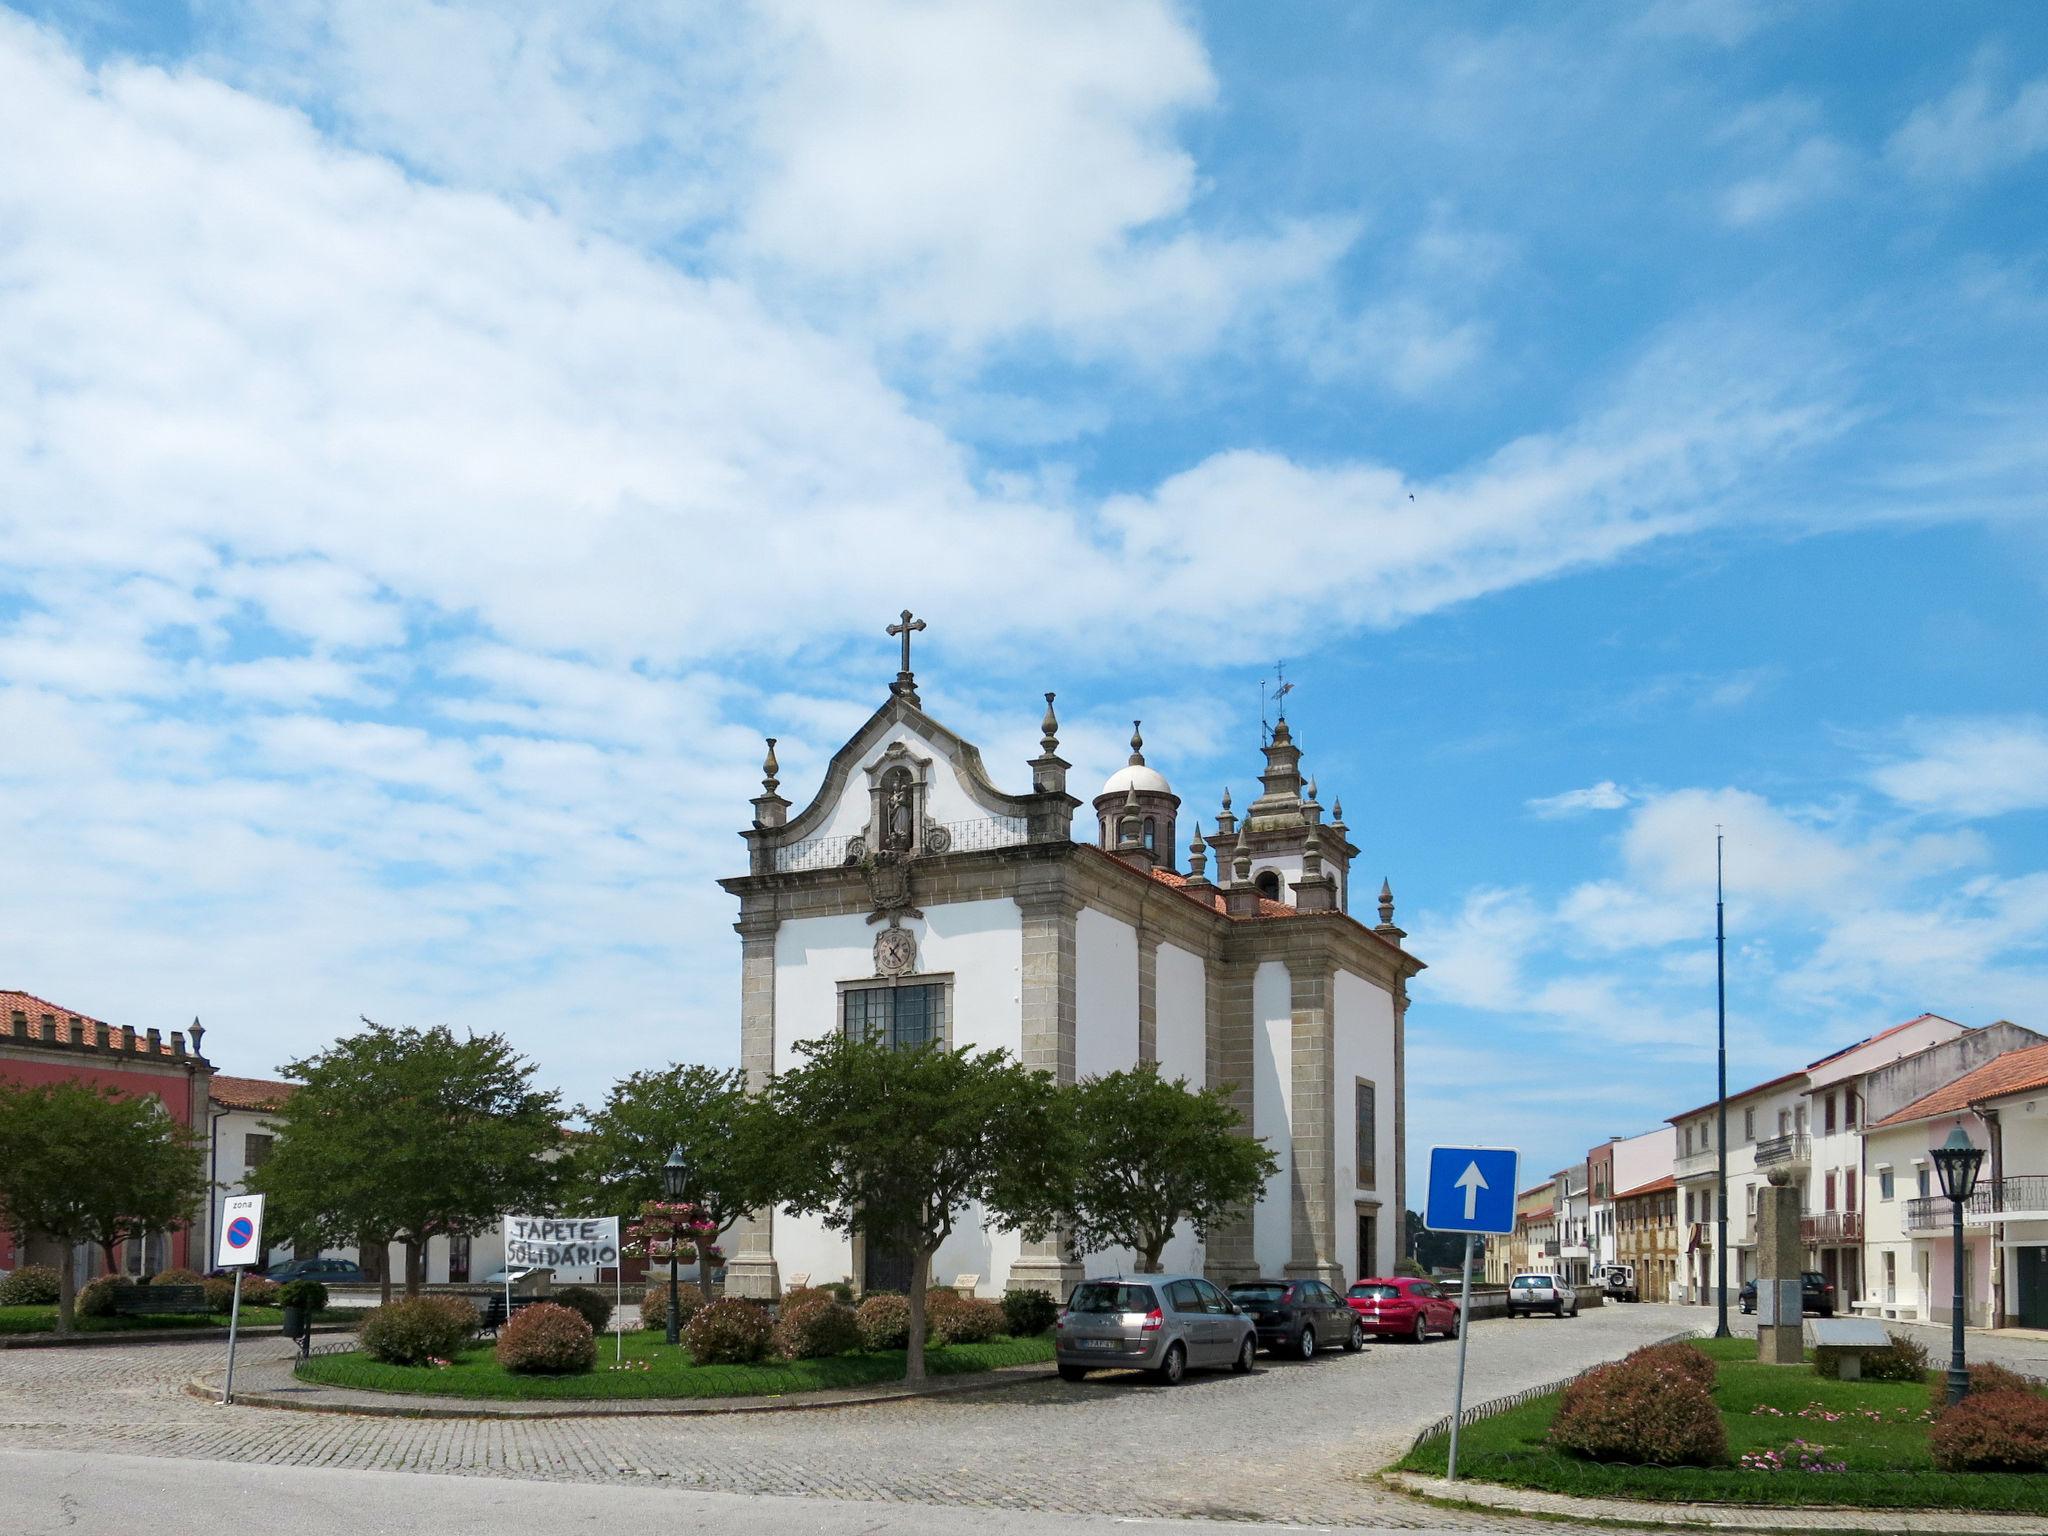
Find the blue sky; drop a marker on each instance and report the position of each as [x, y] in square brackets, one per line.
[437, 441]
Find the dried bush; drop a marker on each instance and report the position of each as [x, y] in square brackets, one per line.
[1647, 1412]
[1688, 1359]
[96, 1297]
[416, 1331]
[952, 1319]
[32, 1285]
[1026, 1314]
[1904, 1359]
[547, 1339]
[1984, 1377]
[727, 1332]
[885, 1321]
[258, 1291]
[588, 1303]
[1997, 1431]
[817, 1329]
[175, 1277]
[654, 1305]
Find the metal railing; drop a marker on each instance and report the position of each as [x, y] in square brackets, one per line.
[1794, 1150]
[939, 837]
[2019, 1195]
[1831, 1227]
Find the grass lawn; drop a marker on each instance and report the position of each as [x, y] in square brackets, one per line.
[1878, 1432]
[43, 1319]
[668, 1373]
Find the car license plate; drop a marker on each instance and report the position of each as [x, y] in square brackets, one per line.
[1101, 1344]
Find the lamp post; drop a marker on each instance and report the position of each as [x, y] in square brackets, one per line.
[672, 1177]
[1956, 1162]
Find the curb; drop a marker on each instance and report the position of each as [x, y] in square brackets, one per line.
[1726, 1517]
[613, 1408]
[152, 1336]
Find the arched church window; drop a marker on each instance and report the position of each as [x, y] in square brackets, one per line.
[1151, 833]
[1268, 883]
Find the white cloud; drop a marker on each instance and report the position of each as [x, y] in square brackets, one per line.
[1972, 767]
[1815, 169]
[1604, 796]
[1975, 131]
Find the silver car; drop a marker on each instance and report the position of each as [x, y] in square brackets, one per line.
[1166, 1325]
[1541, 1293]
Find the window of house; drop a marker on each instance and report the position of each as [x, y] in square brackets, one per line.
[1828, 1190]
[1688, 1205]
[255, 1149]
[1827, 1115]
[1750, 1199]
[1688, 1141]
[1784, 1122]
[1884, 1183]
[1799, 1120]
[1922, 1176]
[901, 1017]
[1850, 1108]
[1749, 1125]
[1366, 1152]
[1849, 1189]
[1891, 1275]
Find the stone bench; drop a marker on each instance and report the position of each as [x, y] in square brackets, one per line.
[1851, 1338]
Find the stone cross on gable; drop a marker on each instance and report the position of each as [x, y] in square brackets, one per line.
[906, 684]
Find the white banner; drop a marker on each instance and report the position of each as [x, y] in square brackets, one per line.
[574, 1247]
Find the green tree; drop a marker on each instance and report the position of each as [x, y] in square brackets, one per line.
[1148, 1155]
[895, 1144]
[80, 1164]
[617, 1166]
[401, 1135]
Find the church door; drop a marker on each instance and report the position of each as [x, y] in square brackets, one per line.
[886, 1267]
[2033, 1275]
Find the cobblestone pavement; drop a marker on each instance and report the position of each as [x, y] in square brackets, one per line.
[1288, 1443]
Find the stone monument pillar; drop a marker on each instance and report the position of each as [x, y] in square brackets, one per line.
[1780, 1330]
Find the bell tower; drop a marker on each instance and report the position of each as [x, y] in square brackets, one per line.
[1157, 811]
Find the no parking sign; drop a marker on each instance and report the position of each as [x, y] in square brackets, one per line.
[241, 1231]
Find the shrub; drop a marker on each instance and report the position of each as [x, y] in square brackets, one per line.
[588, 1303]
[176, 1277]
[1996, 1431]
[1984, 1377]
[32, 1285]
[817, 1329]
[951, 1319]
[220, 1292]
[885, 1321]
[1904, 1359]
[800, 1295]
[416, 1331]
[1689, 1360]
[1641, 1411]
[1029, 1313]
[727, 1332]
[96, 1297]
[841, 1289]
[547, 1339]
[1411, 1269]
[654, 1305]
[258, 1292]
[309, 1294]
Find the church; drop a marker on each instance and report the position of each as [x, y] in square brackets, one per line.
[914, 900]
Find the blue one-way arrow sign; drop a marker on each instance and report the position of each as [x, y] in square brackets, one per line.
[1471, 1189]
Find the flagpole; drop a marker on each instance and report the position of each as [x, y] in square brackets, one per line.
[1721, 1133]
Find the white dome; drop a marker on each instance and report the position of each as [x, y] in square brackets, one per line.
[1146, 780]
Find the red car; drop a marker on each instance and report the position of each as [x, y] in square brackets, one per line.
[1400, 1305]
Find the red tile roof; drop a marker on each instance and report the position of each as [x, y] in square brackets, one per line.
[251, 1092]
[96, 1030]
[1534, 1216]
[2014, 1072]
[1654, 1187]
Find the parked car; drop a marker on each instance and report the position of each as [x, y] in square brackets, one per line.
[1165, 1325]
[1619, 1281]
[1298, 1317]
[1541, 1293]
[1400, 1306]
[326, 1271]
[1816, 1294]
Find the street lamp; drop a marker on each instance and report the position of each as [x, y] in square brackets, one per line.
[673, 1175]
[1956, 1163]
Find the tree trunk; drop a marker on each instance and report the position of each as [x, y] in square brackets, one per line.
[1155, 1244]
[415, 1265]
[67, 1291]
[920, 1282]
[374, 1250]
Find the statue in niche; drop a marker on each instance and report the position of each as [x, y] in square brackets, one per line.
[899, 818]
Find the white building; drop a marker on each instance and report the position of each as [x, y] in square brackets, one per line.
[914, 899]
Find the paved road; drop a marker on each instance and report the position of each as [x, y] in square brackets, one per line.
[1288, 1444]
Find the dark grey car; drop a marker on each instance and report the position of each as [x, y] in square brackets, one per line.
[1165, 1325]
[1299, 1317]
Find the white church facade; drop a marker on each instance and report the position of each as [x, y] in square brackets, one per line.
[915, 899]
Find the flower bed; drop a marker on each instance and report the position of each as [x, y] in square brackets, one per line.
[652, 1370]
[1794, 1438]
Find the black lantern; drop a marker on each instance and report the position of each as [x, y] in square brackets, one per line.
[1956, 1162]
[673, 1174]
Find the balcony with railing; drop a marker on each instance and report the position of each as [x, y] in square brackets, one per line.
[1790, 1151]
[1827, 1228]
[1696, 1165]
[2022, 1197]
